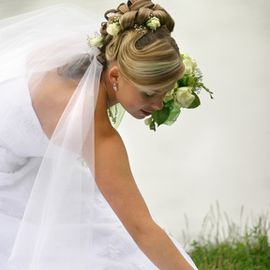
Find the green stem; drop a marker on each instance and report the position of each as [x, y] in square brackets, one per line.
[206, 89]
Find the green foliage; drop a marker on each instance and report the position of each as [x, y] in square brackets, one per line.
[234, 248]
[183, 95]
[195, 103]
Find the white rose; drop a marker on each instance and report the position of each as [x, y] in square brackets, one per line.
[184, 96]
[113, 29]
[153, 23]
[96, 41]
[190, 64]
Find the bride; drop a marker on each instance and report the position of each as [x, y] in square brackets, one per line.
[68, 199]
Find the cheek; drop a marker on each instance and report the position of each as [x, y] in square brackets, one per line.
[131, 97]
[135, 102]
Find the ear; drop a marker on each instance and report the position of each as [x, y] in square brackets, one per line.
[114, 74]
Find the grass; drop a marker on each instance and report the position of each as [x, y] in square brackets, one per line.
[227, 245]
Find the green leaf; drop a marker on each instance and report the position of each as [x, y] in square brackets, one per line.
[183, 82]
[187, 80]
[169, 104]
[172, 117]
[152, 125]
[161, 116]
[196, 102]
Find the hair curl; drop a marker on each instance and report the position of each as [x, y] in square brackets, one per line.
[148, 59]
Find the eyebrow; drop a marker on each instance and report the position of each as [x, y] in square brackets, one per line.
[156, 92]
[159, 92]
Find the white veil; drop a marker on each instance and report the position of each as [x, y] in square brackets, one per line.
[55, 232]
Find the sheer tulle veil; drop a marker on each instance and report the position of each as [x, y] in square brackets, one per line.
[56, 229]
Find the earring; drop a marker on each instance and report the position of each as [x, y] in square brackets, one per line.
[115, 88]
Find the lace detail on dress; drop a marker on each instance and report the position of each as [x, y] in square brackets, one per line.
[113, 244]
[120, 249]
[114, 249]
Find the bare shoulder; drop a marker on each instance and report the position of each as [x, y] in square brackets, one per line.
[49, 100]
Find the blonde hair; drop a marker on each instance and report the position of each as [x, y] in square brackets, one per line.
[148, 59]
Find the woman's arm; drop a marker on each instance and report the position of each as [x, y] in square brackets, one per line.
[115, 180]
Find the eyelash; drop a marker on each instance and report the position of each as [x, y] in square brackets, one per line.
[148, 95]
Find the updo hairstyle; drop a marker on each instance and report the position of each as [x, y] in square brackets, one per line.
[149, 59]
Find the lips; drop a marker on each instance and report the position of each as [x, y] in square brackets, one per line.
[146, 113]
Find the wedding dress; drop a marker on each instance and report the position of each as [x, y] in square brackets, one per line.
[52, 214]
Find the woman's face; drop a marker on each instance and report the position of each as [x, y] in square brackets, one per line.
[137, 102]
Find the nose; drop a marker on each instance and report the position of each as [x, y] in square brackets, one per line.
[157, 104]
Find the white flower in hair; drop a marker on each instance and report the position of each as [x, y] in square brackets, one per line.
[184, 96]
[96, 41]
[190, 64]
[113, 28]
[153, 23]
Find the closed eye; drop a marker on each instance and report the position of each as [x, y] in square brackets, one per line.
[147, 95]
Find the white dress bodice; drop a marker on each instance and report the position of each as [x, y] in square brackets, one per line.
[22, 144]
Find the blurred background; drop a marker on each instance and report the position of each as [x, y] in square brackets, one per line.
[218, 153]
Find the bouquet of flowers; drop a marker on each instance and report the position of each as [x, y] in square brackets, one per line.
[183, 95]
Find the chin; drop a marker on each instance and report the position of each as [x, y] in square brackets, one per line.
[138, 115]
